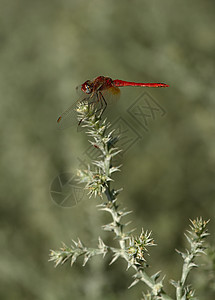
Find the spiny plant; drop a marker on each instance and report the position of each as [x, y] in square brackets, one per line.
[98, 180]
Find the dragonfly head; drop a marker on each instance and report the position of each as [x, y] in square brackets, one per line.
[87, 87]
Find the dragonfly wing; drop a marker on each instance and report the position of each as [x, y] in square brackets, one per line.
[70, 116]
[111, 95]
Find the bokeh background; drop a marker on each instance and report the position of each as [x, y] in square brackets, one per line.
[49, 47]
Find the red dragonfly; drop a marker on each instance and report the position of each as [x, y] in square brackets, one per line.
[96, 91]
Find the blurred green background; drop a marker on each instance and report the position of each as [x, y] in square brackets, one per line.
[49, 47]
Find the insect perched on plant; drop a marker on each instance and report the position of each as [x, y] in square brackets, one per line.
[97, 91]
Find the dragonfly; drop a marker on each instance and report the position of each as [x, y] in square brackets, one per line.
[97, 91]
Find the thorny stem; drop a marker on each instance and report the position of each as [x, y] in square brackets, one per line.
[196, 238]
[132, 249]
[105, 144]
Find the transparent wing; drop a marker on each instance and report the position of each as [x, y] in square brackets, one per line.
[70, 117]
[111, 95]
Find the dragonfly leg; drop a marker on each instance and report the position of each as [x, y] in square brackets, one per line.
[93, 101]
[103, 102]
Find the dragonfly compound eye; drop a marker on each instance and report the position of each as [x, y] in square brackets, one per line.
[87, 87]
